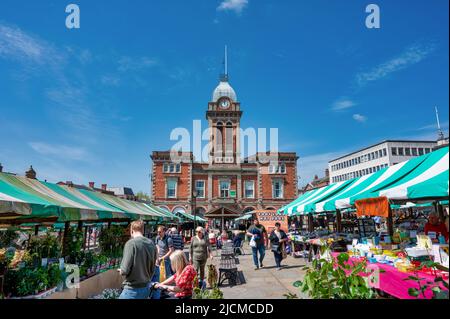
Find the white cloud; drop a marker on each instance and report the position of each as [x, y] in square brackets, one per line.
[134, 64]
[17, 45]
[411, 55]
[233, 5]
[359, 118]
[110, 80]
[343, 104]
[61, 151]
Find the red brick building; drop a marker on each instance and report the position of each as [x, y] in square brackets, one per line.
[227, 186]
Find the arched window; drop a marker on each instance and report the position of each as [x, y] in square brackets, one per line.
[200, 211]
[248, 210]
[178, 211]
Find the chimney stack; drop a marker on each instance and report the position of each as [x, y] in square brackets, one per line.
[327, 172]
[31, 173]
[316, 177]
[69, 183]
[104, 186]
[91, 184]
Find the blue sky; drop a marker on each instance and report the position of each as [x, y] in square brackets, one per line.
[91, 104]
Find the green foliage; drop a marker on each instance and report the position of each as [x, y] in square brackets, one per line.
[436, 288]
[336, 279]
[112, 241]
[290, 295]
[143, 196]
[45, 247]
[214, 293]
[7, 237]
[73, 243]
[29, 281]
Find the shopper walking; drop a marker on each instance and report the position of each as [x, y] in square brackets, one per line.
[258, 242]
[177, 239]
[278, 239]
[199, 251]
[164, 244]
[138, 264]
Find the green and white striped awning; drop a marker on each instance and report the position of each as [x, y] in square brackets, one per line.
[421, 178]
[305, 203]
[430, 179]
[364, 184]
[24, 198]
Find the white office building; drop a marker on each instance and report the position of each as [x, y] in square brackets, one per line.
[373, 158]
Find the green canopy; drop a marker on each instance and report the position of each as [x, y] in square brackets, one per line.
[25, 198]
[244, 217]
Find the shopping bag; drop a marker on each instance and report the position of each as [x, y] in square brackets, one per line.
[252, 242]
[162, 271]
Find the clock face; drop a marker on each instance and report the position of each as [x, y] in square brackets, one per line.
[224, 104]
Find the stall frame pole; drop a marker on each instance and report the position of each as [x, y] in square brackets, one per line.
[338, 221]
[440, 210]
[390, 223]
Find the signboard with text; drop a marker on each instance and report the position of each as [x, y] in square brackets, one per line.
[268, 218]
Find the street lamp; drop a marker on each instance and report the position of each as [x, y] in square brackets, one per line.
[194, 199]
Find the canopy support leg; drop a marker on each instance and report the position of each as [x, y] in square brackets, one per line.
[440, 210]
[310, 223]
[390, 223]
[338, 221]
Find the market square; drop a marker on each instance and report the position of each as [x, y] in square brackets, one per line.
[183, 157]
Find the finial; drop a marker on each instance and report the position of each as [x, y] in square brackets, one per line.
[440, 133]
[224, 76]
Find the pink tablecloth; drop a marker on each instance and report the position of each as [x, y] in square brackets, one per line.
[391, 281]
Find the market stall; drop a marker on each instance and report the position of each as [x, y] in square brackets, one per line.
[403, 195]
[45, 228]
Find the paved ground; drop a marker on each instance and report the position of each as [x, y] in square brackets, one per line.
[267, 282]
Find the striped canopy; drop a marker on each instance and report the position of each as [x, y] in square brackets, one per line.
[24, 198]
[305, 204]
[424, 177]
[364, 184]
[430, 179]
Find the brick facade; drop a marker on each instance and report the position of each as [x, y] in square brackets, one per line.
[224, 165]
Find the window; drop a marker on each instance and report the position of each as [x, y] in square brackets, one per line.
[171, 168]
[414, 151]
[171, 188]
[277, 169]
[427, 150]
[224, 189]
[249, 189]
[384, 152]
[407, 151]
[400, 151]
[420, 151]
[277, 189]
[380, 153]
[200, 188]
[394, 151]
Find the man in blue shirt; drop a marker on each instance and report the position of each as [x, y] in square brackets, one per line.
[259, 234]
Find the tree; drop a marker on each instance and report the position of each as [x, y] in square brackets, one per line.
[143, 196]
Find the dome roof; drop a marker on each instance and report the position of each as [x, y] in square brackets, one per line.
[224, 89]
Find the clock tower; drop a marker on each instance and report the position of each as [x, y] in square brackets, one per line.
[224, 115]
